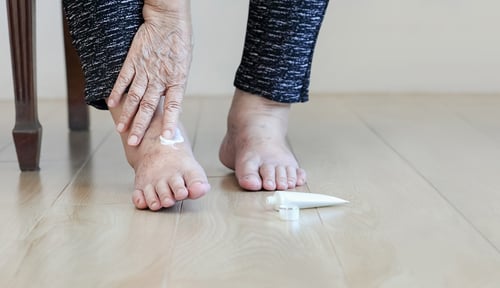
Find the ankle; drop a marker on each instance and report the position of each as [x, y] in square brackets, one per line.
[247, 108]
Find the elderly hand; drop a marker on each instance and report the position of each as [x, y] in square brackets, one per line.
[157, 65]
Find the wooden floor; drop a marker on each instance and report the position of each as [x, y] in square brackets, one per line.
[422, 174]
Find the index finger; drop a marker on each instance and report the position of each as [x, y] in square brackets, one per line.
[123, 80]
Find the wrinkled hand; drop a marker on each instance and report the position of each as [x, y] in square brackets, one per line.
[157, 64]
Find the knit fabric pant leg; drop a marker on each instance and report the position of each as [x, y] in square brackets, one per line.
[102, 32]
[279, 45]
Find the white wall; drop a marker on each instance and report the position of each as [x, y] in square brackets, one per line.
[364, 46]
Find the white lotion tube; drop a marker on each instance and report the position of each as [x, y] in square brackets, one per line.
[301, 200]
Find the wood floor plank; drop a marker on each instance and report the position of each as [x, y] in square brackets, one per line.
[96, 246]
[25, 200]
[397, 231]
[229, 239]
[106, 178]
[459, 160]
[482, 112]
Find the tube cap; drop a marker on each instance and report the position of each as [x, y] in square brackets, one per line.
[289, 213]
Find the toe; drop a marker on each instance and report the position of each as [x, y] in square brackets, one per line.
[139, 200]
[178, 188]
[152, 198]
[301, 177]
[247, 173]
[198, 189]
[250, 182]
[268, 174]
[281, 178]
[291, 174]
[197, 184]
[164, 194]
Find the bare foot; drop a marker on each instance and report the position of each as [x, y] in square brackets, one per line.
[255, 144]
[164, 174]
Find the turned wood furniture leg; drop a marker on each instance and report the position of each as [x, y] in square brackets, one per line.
[78, 111]
[27, 131]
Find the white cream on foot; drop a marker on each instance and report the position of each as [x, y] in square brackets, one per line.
[177, 139]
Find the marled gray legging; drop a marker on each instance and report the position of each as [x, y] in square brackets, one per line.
[276, 62]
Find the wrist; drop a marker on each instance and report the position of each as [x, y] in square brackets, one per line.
[170, 7]
[171, 15]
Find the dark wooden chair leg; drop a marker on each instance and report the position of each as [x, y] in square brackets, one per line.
[78, 111]
[27, 131]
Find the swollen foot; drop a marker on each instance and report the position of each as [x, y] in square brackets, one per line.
[164, 174]
[255, 144]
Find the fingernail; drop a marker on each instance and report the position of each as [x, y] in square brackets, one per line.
[167, 134]
[132, 140]
[120, 127]
[111, 102]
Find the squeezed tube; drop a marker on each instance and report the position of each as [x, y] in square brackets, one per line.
[301, 200]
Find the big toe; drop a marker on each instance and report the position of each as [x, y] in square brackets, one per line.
[250, 182]
[248, 176]
[196, 183]
[198, 189]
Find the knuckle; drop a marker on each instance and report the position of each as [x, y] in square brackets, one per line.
[173, 106]
[123, 78]
[139, 127]
[134, 97]
[148, 106]
[156, 86]
[114, 93]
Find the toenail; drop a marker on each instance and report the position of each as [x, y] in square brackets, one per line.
[167, 201]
